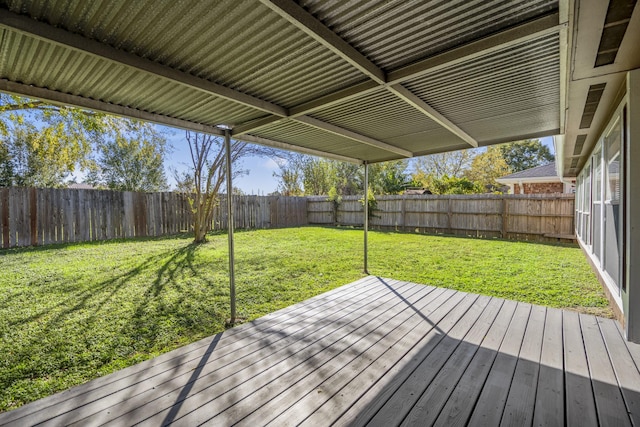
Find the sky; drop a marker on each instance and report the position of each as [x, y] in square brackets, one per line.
[260, 179]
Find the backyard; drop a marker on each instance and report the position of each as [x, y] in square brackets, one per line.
[70, 313]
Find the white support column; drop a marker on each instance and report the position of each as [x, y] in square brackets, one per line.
[366, 217]
[232, 279]
[631, 295]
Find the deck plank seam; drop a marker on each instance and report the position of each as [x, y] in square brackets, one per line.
[411, 318]
[615, 371]
[514, 369]
[443, 318]
[477, 399]
[435, 346]
[454, 300]
[488, 371]
[593, 391]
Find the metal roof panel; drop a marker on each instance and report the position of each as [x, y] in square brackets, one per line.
[393, 34]
[381, 114]
[521, 83]
[241, 45]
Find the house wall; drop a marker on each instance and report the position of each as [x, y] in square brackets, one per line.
[538, 188]
[608, 209]
[631, 191]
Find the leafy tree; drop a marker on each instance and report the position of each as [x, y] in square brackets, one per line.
[130, 157]
[526, 154]
[454, 185]
[44, 143]
[323, 177]
[318, 176]
[390, 177]
[348, 178]
[6, 166]
[486, 167]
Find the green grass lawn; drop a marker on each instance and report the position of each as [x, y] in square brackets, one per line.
[70, 313]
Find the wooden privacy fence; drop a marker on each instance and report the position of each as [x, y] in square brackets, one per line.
[535, 217]
[30, 216]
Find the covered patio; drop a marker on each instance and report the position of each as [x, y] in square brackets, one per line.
[375, 352]
[362, 82]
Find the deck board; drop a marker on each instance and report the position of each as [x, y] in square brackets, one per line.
[522, 393]
[625, 369]
[459, 405]
[549, 405]
[580, 402]
[490, 405]
[609, 402]
[435, 396]
[226, 381]
[375, 352]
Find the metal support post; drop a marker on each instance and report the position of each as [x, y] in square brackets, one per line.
[366, 217]
[232, 279]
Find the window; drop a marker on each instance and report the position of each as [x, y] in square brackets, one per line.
[612, 228]
[596, 210]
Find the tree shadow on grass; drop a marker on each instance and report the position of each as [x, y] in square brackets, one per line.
[91, 328]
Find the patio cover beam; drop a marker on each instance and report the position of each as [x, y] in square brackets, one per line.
[337, 130]
[304, 150]
[59, 36]
[522, 33]
[105, 107]
[415, 101]
[303, 20]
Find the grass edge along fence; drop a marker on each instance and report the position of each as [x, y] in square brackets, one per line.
[34, 216]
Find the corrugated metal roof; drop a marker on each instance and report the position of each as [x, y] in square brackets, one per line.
[510, 92]
[392, 34]
[275, 62]
[381, 114]
[310, 137]
[233, 62]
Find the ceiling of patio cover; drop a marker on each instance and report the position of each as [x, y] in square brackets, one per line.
[359, 80]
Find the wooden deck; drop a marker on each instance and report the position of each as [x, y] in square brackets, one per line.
[375, 352]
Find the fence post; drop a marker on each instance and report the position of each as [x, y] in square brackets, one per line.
[503, 232]
[449, 215]
[33, 215]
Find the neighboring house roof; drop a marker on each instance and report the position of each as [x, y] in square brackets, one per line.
[544, 173]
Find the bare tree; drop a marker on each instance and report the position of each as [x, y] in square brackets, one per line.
[207, 175]
[452, 164]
